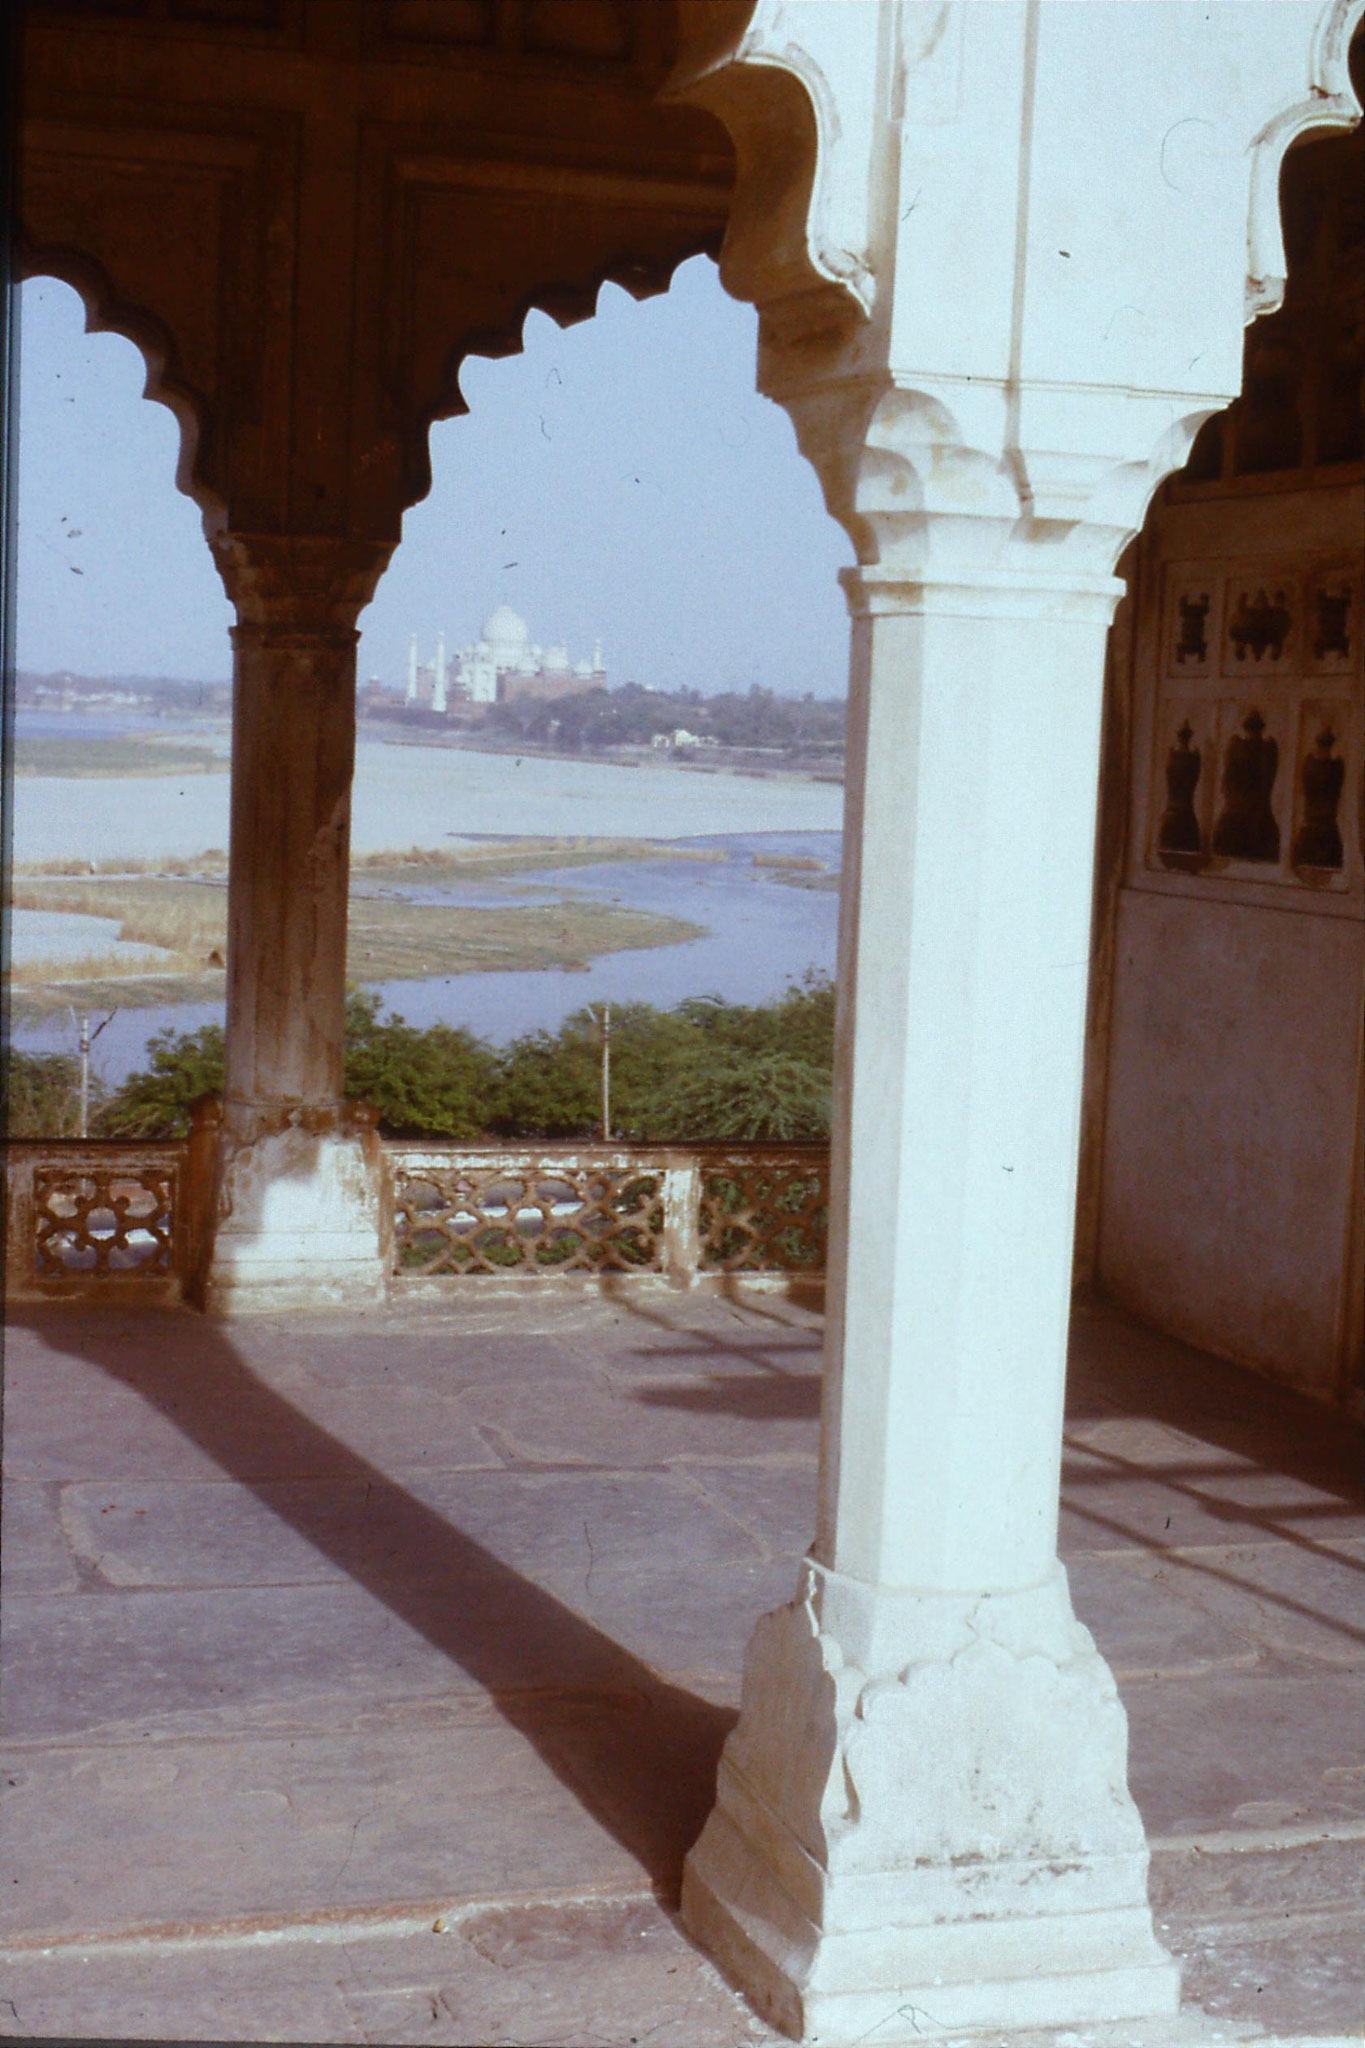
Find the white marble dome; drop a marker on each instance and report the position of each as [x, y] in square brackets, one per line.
[507, 634]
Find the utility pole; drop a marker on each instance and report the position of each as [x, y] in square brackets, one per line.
[604, 1025]
[85, 1038]
[606, 1073]
[84, 1041]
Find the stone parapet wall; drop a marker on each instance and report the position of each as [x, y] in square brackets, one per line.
[111, 1218]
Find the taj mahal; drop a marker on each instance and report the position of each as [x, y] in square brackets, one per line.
[502, 664]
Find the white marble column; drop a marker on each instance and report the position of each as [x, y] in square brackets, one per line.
[1000, 257]
[923, 1818]
[296, 1213]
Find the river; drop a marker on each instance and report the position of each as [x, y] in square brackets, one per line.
[761, 933]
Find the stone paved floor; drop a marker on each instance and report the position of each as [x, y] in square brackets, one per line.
[363, 1678]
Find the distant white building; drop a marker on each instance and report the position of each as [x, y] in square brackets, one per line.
[681, 738]
[502, 664]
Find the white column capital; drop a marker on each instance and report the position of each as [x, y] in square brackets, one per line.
[875, 592]
[971, 482]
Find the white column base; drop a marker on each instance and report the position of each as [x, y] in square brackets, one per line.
[298, 1223]
[923, 1824]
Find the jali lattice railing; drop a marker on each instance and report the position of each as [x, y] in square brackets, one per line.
[94, 1214]
[764, 1210]
[595, 1209]
[104, 1216]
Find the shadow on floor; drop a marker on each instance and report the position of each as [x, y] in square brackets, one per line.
[788, 1393]
[1268, 1430]
[639, 1753]
[1119, 1365]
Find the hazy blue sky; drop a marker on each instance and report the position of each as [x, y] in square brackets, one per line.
[620, 478]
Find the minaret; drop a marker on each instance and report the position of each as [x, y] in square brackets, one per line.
[438, 695]
[411, 697]
[597, 657]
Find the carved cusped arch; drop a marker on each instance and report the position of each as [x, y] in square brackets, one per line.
[797, 244]
[568, 302]
[1329, 105]
[108, 312]
[879, 148]
[306, 230]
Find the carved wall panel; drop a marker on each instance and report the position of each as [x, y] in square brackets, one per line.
[1256, 758]
[457, 24]
[635, 36]
[1318, 850]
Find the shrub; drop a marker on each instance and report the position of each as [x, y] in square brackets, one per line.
[41, 1094]
[705, 1070]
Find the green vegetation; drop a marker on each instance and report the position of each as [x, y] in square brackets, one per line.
[421, 1082]
[705, 1070]
[40, 1094]
[156, 1101]
[758, 721]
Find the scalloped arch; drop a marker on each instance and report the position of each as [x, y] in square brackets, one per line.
[1330, 104]
[784, 241]
[567, 306]
[831, 256]
[107, 313]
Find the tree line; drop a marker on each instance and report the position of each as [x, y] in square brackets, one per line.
[633, 715]
[703, 1070]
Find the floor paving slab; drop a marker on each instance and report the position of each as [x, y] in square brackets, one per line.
[705, 1418]
[1147, 1630]
[1116, 1505]
[1304, 1604]
[313, 1624]
[38, 1556]
[1247, 1750]
[771, 1499]
[303, 1823]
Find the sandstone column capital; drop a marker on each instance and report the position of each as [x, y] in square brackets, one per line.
[306, 587]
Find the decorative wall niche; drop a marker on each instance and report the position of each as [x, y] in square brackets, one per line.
[1332, 623]
[1187, 779]
[1262, 625]
[1247, 827]
[1318, 851]
[1192, 619]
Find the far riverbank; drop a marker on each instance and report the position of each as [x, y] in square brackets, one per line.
[414, 795]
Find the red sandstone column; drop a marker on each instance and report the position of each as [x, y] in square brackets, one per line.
[296, 1214]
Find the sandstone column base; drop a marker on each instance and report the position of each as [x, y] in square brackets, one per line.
[923, 1825]
[298, 1217]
